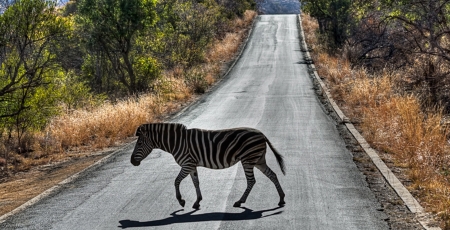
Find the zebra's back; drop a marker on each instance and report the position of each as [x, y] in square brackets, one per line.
[218, 149]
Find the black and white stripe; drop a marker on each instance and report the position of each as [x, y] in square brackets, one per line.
[215, 149]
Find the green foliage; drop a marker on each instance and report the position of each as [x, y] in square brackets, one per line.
[116, 17]
[333, 17]
[186, 29]
[233, 8]
[70, 8]
[111, 29]
[74, 93]
[29, 31]
[147, 68]
[69, 50]
[41, 105]
[38, 106]
[126, 44]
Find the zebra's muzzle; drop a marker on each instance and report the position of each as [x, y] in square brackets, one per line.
[135, 162]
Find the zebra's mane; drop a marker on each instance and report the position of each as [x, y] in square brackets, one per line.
[145, 128]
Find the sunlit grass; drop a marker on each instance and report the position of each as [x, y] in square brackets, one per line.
[103, 126]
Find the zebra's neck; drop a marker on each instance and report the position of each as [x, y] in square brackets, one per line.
[169, 137]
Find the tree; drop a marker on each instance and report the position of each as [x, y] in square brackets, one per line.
[28, 31]
[186, 28]
[426, 28]
[111, 29]
[333, 17]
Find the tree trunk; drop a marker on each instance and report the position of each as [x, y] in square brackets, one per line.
[130, 71]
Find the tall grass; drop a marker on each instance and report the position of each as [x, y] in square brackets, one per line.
[103, 126]
[392, 121]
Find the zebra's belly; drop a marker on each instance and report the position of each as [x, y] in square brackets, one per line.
[216, 165]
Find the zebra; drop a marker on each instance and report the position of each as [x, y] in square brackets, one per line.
[214, 149]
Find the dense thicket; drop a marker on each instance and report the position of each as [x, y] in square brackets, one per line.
[57, 57]
[413, 35]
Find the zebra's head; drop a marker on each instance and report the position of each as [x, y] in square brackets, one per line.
[144, 146]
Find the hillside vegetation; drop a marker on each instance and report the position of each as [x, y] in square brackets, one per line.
[387, 64]
[84, 76]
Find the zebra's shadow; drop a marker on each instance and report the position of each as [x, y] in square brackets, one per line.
[174, 218]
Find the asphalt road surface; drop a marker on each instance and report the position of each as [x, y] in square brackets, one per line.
[278, 6]
[268, 89]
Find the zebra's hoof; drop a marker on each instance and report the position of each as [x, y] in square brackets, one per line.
[237, 204]
[282, 203]
[196, 206]
[182, 202]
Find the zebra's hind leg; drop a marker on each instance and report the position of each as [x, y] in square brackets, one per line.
[248, 169]
[194, 176]
[185, 170]
[273, 177]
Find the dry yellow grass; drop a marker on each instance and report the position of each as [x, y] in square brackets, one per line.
[103, 126]
[172, 87]
[310, 27]
[225, 49]
[393, 122]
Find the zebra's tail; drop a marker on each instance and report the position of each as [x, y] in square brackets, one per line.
[278, 156]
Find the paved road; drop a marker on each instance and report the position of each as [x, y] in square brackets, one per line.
[278, 6]
[269, 89]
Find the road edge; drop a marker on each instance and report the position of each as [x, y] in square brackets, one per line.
[61, 184]
[111, 156]
[413, 205]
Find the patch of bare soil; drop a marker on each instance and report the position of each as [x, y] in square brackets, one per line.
[17, 189]
[399, 216]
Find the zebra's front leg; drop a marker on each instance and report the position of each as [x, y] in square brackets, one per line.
[250, 182]
[185, 170]
[194, 176]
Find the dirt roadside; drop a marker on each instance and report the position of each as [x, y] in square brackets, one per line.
[21, 187]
